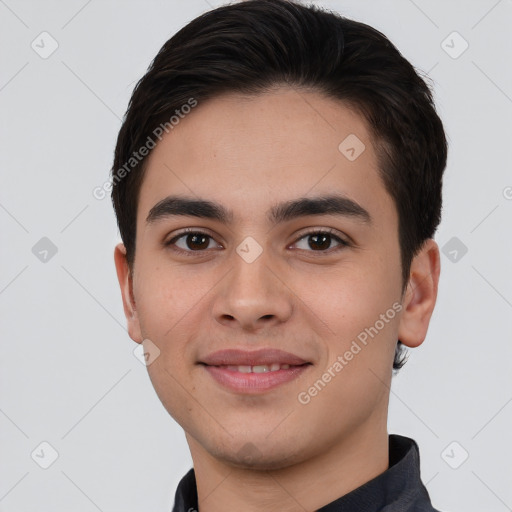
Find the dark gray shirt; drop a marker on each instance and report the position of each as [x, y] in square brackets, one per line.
[398, 489]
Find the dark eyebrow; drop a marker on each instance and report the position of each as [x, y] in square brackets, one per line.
[324, 205]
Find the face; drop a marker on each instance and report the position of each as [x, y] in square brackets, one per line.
[271, 330]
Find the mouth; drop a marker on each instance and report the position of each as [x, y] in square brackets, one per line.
[253, 372]
[259, 368]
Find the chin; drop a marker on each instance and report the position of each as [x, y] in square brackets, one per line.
[262, 456]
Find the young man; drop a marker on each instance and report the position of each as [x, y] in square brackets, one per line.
[277, 184]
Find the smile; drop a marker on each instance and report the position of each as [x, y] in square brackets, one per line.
[261, 368]
[245, 379]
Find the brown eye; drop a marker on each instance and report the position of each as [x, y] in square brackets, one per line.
[189, 242]
[196, 241]
[193, 241]
[320, 241]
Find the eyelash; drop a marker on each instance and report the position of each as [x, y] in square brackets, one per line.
[188, 231]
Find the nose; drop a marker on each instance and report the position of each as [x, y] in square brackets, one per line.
[253, 295]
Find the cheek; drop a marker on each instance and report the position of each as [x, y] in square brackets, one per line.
[357, 312]
[167, 298]
[170, 305]
[170, 385]
[350, 299]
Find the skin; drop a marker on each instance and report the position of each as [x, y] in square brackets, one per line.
[242, 152]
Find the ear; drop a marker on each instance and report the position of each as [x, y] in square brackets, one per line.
[420, 295]
[126, 283]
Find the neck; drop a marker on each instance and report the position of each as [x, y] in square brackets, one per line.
[305, 486]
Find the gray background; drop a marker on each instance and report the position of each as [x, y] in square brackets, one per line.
[68, 375]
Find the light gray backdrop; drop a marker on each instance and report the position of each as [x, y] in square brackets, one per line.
[68, 375]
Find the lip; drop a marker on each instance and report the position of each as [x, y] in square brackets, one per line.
[237, 357]
[253, 383]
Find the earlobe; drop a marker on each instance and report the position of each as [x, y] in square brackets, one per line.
[421, 295]
[126, 284]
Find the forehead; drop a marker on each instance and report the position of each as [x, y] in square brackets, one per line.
[248, 152]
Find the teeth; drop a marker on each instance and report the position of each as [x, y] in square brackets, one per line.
[261, 368]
